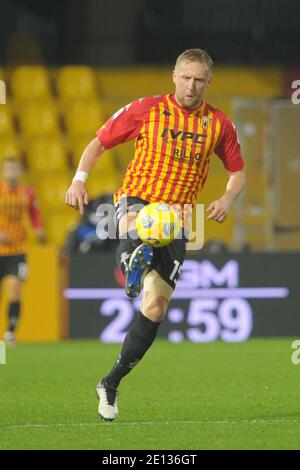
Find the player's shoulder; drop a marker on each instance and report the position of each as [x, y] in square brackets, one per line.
[145, 103]
[138, 108]
[218, 113]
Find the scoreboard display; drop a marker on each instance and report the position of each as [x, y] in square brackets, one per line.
[226, 297]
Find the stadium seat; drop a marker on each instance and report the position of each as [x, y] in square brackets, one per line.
[99, 184]
[214, 187]
[7, 127]
[105, 163]
[46, 155]
[9, 147]
[59, 223]
[39, 119]
[76, 83]
[129, 84]
[52, 191]
[30, 83]
[84, 118]
[77, 146]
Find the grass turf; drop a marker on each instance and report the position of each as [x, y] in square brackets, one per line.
[181, 396]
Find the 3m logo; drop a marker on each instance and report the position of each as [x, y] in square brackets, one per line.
[2, 92]
[2, 353]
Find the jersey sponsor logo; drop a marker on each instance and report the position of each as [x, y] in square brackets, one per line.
[183, 135]
[188, 157]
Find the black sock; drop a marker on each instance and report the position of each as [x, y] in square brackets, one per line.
[127, 244]
[138, 340]
[13, 315]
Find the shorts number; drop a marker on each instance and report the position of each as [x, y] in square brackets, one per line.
[176, 271]
[22, 271]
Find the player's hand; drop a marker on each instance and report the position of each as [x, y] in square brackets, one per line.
[4, 239]
[77, 196]
[219, 209]
[41, 236]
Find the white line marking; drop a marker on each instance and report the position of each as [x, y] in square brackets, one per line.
[155, 423]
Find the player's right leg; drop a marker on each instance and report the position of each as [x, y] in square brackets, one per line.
[15, 273]
[14, 306]
[133, 257]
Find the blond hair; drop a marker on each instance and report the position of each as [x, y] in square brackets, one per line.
[195, 55]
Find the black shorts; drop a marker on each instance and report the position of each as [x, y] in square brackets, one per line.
[13, 265]
[167, 260]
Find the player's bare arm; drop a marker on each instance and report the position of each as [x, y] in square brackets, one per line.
[77, 194]
[40, 235]
[4, 238]
[219, 208]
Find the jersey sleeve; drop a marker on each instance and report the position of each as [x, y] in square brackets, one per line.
[123, 126]
[33, 209]
[228, 148]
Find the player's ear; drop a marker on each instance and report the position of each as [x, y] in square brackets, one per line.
[209, 80]
[174, 77]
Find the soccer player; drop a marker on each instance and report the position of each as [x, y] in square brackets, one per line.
[175, 137]
[16, 202]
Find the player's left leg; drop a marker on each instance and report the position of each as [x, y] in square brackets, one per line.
[14, 306]
[156, 296]
[15, 274]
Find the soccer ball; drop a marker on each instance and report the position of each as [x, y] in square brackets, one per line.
[158, 224]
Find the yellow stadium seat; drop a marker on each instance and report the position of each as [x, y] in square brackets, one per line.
[30, 83]
[39, 119]
[9, 147]
[7, 127]
[105, 163]
[98, 184]
[84, 118]
[76, 82]
[214, 188]
[132, 83]
[59, 223]
[47, 154]
[77, 146]
[52, 191]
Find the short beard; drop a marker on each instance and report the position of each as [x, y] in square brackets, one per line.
[193, 105]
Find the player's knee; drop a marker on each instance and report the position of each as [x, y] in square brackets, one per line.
[13, 289]
[156, 309]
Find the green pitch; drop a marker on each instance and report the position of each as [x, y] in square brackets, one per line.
[181, 396]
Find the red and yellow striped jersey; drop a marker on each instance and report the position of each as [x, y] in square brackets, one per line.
[173, 146]
[15, 204]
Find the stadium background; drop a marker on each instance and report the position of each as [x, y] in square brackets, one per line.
[68, 66]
